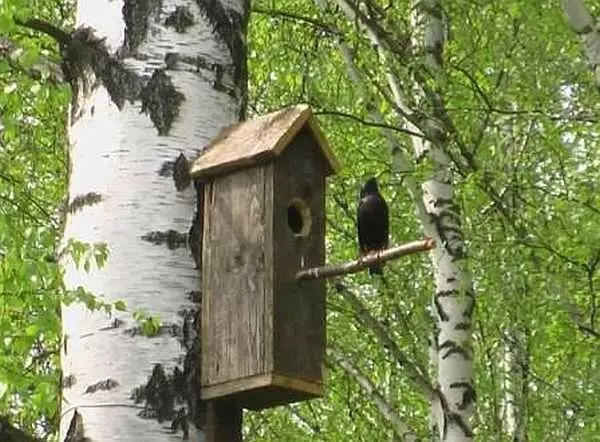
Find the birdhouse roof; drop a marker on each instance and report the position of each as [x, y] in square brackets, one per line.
[256, 141]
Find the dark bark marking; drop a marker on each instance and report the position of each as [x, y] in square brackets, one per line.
[450, 416]
[76, 432]
[158, 395]
[83, 52]
[172, 238]
[171, 60]
[115, 323]
[137, 14]
[181, 173]
[180, 422]
[231, 27]
[440, 310]
[463, 326]
[451, 347]
[86, 51]
[68, 381]
[445, 293]
[448, 226]
[107, 384]
[81, 201]
[180, 19]
[469, 394]
[195, 296]
[161, 101]
[195, 233]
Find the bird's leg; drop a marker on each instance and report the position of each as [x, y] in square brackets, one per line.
[362, 254]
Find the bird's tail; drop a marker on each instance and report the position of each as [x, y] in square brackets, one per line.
[376, 270]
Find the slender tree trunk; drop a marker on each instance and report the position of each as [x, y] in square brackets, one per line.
[585, 26]
[515, 384]
[454, 298]
[185, 80]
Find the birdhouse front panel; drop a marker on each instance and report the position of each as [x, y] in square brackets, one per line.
[237, 267]
[299, 242]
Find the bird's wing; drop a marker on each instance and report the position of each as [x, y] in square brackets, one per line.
[385, 221]
[361, 225]
[372, 223]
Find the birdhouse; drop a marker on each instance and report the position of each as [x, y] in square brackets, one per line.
[263, 332]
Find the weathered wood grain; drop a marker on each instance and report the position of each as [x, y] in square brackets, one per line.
[233, 277]
[263, 332]
[299, 307]
[255, 141]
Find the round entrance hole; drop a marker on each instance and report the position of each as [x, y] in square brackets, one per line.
[298, 217]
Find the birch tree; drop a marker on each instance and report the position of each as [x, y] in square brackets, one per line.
[152, 82]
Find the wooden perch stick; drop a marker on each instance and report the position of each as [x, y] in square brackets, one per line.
[366, 261]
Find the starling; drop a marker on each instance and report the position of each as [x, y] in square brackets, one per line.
[372, 222]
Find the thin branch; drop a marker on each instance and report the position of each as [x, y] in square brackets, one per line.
[47, 28]
[298, 18]
[369, 123]
[413, 371]
[403, 430]
[367, 261]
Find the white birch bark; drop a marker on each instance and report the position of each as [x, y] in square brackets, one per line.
[117, 154]
[514, 385]
[585, 26]
[451, 352]
[453, 301]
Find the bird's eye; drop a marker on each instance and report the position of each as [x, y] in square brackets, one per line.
[298, 217]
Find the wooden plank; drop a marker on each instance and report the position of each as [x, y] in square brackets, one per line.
[265, 391]
[285, 382]
[251, 142]
[299, 306]
[269, 192]
[233, 318]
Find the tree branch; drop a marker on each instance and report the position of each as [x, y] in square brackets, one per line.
[413, 371]
[369, 123]
[403, 430]
[367, 261]
[285, 15]
[47, 28]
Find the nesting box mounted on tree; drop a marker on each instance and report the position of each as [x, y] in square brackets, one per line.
[263, 332]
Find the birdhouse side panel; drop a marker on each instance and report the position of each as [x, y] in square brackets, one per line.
[299, 231]
[237, 276]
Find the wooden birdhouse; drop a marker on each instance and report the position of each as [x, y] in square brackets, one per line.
[263, 332]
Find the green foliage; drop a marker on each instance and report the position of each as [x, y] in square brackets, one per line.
[149, 324]
[525, 152]
[32, 187]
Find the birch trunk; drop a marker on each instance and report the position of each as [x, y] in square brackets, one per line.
[453, 395]
[454, 298]
[119, 158]
[586, 28]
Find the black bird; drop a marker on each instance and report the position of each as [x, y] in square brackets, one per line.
[373, 222]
